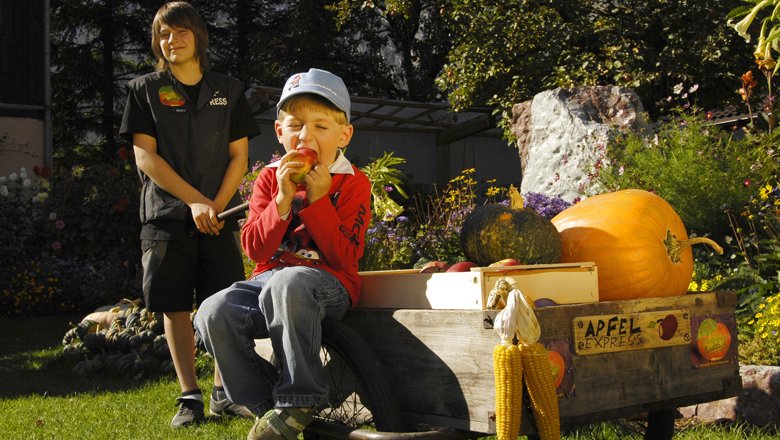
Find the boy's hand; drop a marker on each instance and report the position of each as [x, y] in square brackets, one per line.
[318, 182]
[287, 187]
[205, 217]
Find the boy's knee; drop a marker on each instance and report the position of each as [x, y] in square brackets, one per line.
[208, 313]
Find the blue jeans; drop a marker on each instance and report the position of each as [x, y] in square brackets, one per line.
[287, 305]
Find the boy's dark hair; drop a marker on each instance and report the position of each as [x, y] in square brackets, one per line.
[180, 15]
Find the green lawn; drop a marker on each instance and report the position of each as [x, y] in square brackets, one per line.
[40, 398]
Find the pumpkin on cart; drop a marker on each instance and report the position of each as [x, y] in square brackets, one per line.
[495, 232]
[636, 239]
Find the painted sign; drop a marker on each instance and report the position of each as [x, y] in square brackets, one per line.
[634, 331]
[714, 340]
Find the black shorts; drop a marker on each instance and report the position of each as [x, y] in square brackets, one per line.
[181, 274]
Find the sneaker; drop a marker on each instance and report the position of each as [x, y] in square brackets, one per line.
[225, 407]
[284, 425]
[190, 412]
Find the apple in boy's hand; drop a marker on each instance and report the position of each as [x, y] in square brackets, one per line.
[308, 157]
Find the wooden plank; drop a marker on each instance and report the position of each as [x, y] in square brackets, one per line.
[633, 331]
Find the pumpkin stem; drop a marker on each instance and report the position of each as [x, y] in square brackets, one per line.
[675, 246]
[516, 200]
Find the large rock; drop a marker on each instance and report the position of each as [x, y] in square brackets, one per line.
[758, 403]
[563, 134]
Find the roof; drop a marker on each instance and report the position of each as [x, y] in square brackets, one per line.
[398, 116]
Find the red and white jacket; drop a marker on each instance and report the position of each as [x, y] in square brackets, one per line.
[328, 234]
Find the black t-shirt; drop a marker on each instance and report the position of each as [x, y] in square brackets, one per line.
[242, 124]
[192, 137]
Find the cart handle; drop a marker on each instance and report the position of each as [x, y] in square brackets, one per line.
[232, 211]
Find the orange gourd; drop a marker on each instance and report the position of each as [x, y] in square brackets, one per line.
[636, 239]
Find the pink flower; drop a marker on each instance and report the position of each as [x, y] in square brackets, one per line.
[59, 224]
[56, 245]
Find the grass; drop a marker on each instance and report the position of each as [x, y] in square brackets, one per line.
[40, 398]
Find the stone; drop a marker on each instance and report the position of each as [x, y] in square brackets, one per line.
[758, 403]
[563, 134]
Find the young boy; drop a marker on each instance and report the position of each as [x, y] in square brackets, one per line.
[306, 239]
[190, 130]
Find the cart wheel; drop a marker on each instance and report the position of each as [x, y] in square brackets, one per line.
[660, 425]
[359, 394]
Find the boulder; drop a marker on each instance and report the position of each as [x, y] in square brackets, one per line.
[758, 403]
[562, 136]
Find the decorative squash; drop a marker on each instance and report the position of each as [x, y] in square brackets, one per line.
[636, 239]
[496, 232]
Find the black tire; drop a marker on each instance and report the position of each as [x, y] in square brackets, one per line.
[359, 394]
[660, 425]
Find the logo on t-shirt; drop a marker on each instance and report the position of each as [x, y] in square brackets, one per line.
[169, 97]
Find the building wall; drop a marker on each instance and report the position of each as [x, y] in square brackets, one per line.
[426, 163]
[21, 144]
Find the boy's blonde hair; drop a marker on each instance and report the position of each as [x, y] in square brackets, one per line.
[312, 101]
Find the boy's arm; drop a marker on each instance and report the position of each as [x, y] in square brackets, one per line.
[340, 231]
[263, 230]
[239, 159]
[154, 166]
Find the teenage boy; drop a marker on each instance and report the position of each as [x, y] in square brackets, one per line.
[190, 128]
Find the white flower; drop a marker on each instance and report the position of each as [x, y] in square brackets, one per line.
[13, 177]
[742, 26]
[728, 239]
[26, 182]
[621, 170]
[53, 216]
[4, 191]
[693, 88]
[3, 179]
[677, 88]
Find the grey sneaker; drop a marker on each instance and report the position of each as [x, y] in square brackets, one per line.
[190, 412]
[225, 407]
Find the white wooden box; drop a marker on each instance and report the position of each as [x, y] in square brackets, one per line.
[565, 283]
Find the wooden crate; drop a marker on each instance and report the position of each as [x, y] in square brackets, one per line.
[565, 283]
[439, 362]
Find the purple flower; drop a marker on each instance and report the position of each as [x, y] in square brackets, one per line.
[59, 224]
[547, 207]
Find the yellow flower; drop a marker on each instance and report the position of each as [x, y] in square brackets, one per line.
[764, 191]
[759, 315]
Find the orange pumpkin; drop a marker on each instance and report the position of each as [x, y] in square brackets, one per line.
[637, 241]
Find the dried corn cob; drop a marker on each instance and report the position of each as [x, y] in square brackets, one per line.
[508, 374]
[541, 389]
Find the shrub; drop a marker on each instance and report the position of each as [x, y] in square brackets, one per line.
[70, 238]
[759, 342]
[701, 170]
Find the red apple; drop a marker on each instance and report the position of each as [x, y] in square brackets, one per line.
[461, 266]
[505, 262]
[434, 267]
[308, 157]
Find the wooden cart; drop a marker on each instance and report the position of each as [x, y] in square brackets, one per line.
[418, 353]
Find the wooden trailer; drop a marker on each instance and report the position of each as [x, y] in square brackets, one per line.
[432, 339]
